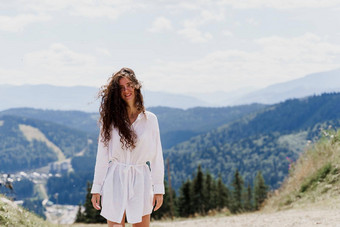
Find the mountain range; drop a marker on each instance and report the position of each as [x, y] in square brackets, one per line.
[266, 140]
[312, 84]
[84, 98]
[249, 137]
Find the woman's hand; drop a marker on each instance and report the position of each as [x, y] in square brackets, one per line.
[96, 201]
[158, 200]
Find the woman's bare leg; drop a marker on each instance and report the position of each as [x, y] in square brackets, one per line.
[145, 222]
[114, 224]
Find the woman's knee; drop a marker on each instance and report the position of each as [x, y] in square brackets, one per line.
[115, 224]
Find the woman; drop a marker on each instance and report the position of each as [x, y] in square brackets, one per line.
[129, 171]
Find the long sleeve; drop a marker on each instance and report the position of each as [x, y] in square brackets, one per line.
[157, 164]
[102, 164]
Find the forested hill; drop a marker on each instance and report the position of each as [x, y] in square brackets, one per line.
[176, 125]
[81, 121]
[29, 143]
[248, 138]
[266, 141]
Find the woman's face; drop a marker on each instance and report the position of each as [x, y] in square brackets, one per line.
[127, 90]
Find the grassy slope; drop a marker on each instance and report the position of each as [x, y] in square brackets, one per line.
[314, 178]
[13, 215]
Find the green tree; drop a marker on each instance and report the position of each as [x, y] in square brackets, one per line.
[184, 201]
[260, 190]
[222, 194]
[237, 184]
[210, 192]
[213, 194]
[198, 189]
[248, 205]
[80, 216]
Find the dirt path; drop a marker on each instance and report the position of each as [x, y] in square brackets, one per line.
[307, 217]
[294, 217]
[322, 213]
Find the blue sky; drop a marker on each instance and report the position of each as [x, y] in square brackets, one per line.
[173, 46]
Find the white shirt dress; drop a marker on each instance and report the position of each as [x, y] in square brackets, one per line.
[123, 178]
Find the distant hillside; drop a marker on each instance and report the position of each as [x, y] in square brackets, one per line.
[33, 138]
[261, 141]
[176, 125]
[45, 96]
[313, 178]
[312, 84]
[13, 215]
[249, 138]
[29, 143]
[80, 98]
[84, 98]
[79, 120]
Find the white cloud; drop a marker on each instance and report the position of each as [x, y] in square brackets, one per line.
[308, 48]
[252, 21]
[17, 23]
[88, 8]
[13, 76]
[277, 60]
[280, 4]
[104, 52]
[191, 27]
[57, 65]
[227, 33]
[195, 35]
[58, 55]
[205, 17]
[181, 5]
[161, 24]
[106, 9]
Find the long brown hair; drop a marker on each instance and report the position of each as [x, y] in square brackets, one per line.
[113, 109]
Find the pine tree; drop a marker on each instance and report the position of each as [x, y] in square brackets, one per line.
[260, 190]
[237, 184]
[184, 201]
[198, 196]
[80, 216]
[213, 195]
[248, 199]
[209, 192]
[222, 194]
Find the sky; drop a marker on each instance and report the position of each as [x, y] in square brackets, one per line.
[174, 46]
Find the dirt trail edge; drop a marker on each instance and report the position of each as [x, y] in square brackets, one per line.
[307, 217]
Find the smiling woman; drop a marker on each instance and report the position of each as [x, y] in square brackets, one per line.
[129, 138]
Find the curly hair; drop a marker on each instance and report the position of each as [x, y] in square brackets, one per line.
[113, 109]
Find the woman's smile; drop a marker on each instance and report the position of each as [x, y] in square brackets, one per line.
[127, 89]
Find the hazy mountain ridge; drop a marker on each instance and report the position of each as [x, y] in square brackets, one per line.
[84, 98]
[46, 96]
[176, 125]
[79, 120]
[312, 84]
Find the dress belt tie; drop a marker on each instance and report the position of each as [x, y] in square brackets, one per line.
[127, 174]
